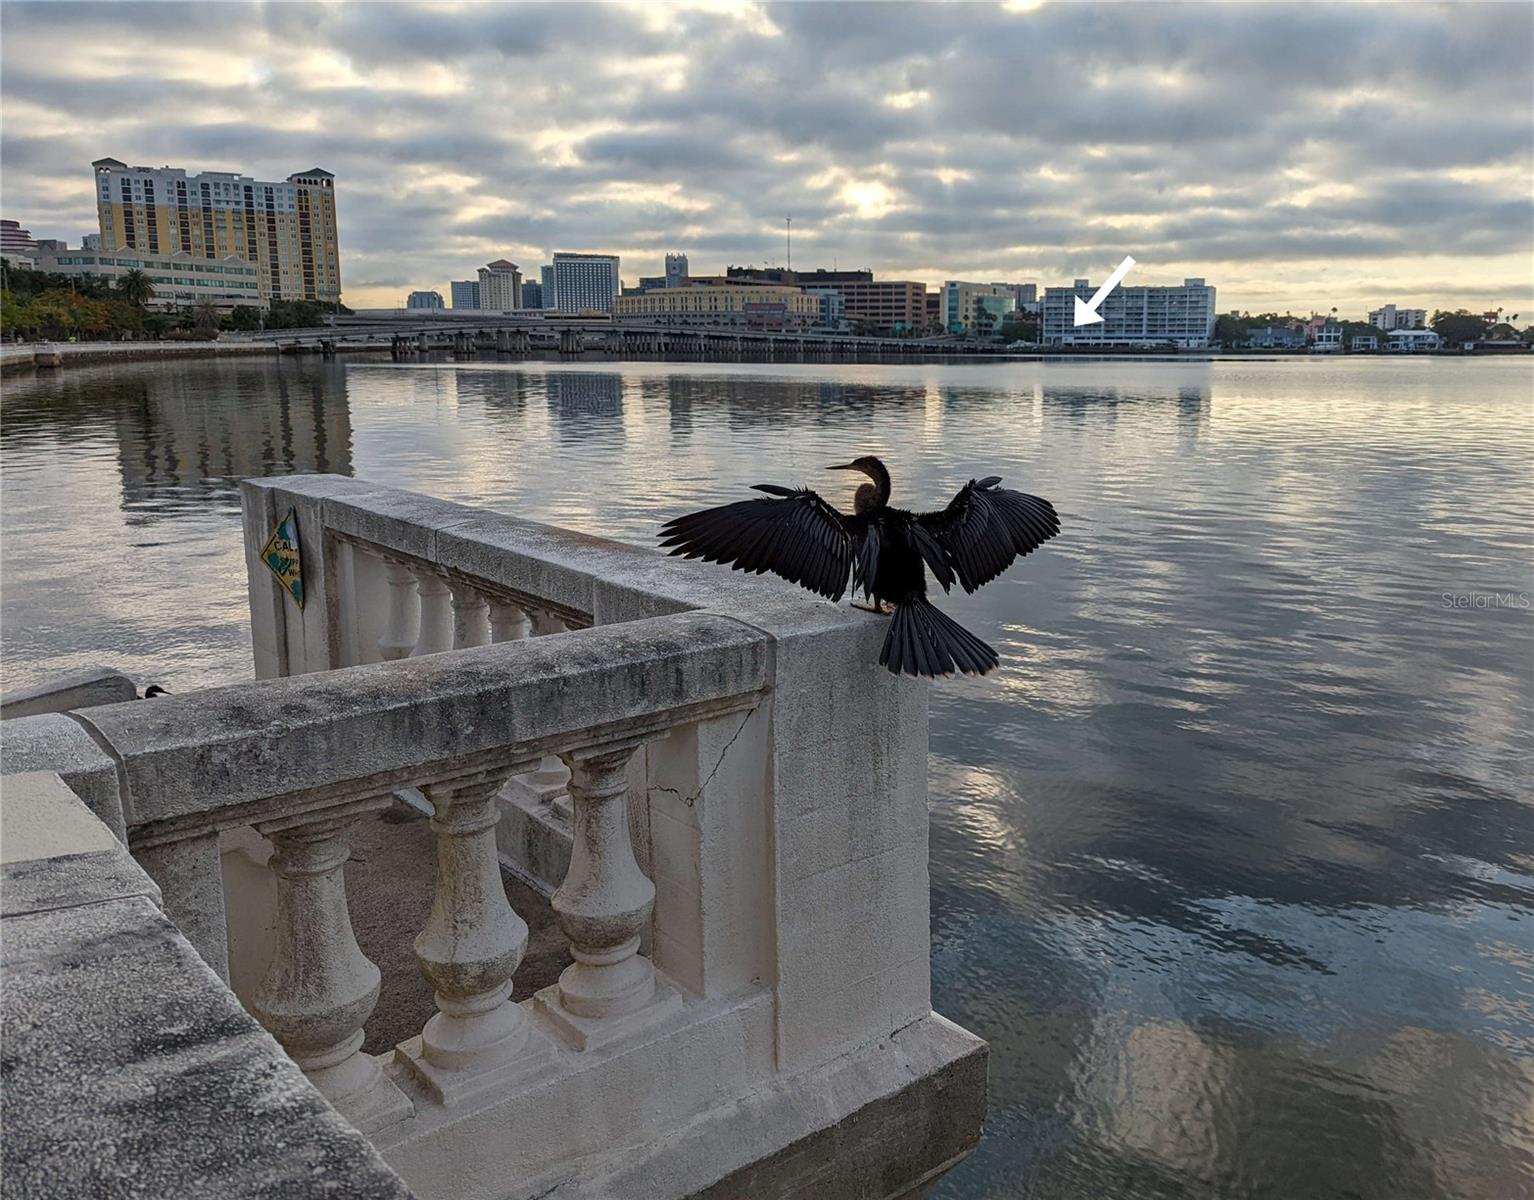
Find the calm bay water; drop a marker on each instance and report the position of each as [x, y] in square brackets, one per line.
[1232, 859]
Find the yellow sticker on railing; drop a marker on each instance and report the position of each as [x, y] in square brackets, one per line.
[281, 555]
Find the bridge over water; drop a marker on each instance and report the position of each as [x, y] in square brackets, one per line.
[521, 337]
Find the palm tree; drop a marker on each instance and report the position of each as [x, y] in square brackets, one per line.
[205, 315]
[135, 287]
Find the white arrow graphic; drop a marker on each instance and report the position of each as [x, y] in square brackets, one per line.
[1086, 310]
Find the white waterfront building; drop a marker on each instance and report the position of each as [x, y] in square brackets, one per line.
[1411, 341]
[581, 282]
[1389, 318]
[1133, 316]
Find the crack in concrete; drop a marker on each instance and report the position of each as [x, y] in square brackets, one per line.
[689, 801]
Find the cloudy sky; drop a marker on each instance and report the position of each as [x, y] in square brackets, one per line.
[1298, 156]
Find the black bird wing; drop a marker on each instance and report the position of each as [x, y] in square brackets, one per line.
[983, 530]
[798, 536]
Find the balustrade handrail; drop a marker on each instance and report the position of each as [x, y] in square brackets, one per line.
[263, 750]
[583, 579]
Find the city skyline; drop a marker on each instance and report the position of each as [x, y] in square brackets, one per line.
[1300, 159]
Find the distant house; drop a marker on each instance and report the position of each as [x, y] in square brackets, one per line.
[1327, 338]
[1275, 337]
[1411, 341]
[1365, 341]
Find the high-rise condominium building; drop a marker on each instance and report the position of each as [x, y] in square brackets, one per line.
[424, 300]
[1390, 318]
[676, 270]
[465, 293]
[581, 282]
[546, 287]
[286, 230]
[1132, 316]
[500, 286]
[532, 294]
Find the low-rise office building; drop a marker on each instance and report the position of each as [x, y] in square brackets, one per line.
[977, 307]
[179, 279]
[1180, 316]
[833, 309]
[881, 306]
[17, 244]
[755, 306]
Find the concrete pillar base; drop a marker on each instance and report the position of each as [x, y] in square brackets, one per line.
[589, 1033]
[536, 1056]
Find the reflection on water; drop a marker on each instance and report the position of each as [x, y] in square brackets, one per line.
[1232, 858]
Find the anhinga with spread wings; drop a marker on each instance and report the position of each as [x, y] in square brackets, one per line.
[887, 551]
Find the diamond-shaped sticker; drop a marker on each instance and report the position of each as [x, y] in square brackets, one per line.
[281, 555]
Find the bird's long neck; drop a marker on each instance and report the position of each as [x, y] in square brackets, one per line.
[876, 494]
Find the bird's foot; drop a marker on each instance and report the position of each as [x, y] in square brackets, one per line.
[880, 609]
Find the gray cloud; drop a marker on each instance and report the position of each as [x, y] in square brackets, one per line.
[923, 140]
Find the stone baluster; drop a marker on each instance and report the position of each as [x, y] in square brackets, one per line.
[469, 951]
[404, 621]
[471, 617]
[436, 612]
[545, 622]
[603, 907]
[550, 783]
[320, 987]
[508, 623]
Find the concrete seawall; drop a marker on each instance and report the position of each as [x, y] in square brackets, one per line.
[24, 357]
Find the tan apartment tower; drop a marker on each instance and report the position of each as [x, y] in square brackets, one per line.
[287, 230]
[500, 285]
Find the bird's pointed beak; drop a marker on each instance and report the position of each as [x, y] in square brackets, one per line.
[843, 467]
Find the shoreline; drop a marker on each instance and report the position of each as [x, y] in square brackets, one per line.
[23, 357]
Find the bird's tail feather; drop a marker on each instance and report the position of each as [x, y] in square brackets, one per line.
[924, 641]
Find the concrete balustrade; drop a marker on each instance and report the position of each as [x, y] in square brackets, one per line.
[744, 870]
